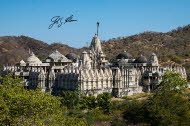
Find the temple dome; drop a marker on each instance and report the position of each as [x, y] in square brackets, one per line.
[122, 61]
[72, 56]
[141, 59]
[124, 55]
[22, 62]
[84, 52]
[33, 59]
[153, 54]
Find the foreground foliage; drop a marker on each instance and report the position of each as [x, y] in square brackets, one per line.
[137, 96]
[19, 106]
[169, 105]
[70, 99]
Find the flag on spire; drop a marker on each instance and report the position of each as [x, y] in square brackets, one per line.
[97, 27]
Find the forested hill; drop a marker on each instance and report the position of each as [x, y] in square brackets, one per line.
[165, 45]
[13, 49]
[173, 45]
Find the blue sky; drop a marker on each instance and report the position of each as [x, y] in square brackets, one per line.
[117, 18]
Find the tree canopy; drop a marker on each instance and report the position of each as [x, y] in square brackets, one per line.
[169, 105]
[19, 106]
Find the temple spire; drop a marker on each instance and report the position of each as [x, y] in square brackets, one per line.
[96, 44]
[97, 27]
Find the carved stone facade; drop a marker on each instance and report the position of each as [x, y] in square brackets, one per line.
[91, 73]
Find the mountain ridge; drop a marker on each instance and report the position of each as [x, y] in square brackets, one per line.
[173, 45]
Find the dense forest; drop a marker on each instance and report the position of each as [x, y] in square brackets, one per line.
[169, 105]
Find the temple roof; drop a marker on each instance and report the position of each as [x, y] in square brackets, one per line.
[33, 59]
[57, 56]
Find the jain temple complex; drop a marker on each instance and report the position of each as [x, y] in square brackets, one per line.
[91, 73]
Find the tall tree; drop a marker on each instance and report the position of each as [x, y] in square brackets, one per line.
[170, 105]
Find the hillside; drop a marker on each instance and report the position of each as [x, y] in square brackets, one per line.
[170, 46]
[173, 45]
[165, 45]
[13, 49]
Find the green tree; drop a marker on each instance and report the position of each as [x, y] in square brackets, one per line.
[4, 110]
[19, 106]
[135, 112]
[169, 105]
[25, 106]
[70, 99]
[176, 59]
[104, 102]
[87, 102]
[172, 83]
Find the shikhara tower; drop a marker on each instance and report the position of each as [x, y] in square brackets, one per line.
[91, 73]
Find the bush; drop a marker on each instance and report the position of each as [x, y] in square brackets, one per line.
[117, 122]
[176, 59]
[87, 102]
[70, 99]
[136, 112]
[96, 115]
[137, 96]
[104, 102]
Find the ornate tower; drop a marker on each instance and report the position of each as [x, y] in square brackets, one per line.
[85, 61]
[96, 45]
[154, 59]
[96, 53]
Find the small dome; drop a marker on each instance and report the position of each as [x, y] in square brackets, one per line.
[124, 55]
[22, 62]
[122, 61]
[153, 54]
[90, 51]
[84, 52]
[33, 59]
[72, 56]
[141, 59]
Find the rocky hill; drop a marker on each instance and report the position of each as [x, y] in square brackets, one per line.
[165, 45]
[173, 45]
[13, 49]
